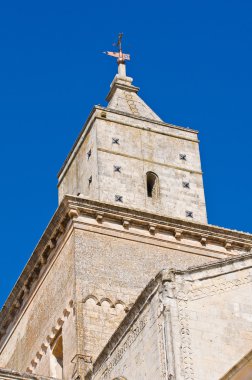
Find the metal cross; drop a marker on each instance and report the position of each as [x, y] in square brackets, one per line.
[121, 57]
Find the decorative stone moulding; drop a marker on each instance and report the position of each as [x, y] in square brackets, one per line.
[112, 303]
[34, 276]
[71, 207]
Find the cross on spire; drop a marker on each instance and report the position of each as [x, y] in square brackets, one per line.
[121, 57]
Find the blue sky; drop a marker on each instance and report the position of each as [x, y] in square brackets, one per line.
[192, 61]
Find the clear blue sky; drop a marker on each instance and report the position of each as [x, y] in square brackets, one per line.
[192, 61]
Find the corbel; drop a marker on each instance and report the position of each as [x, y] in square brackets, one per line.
[203, 240]
[38, 355]
[17, 304]
[178, 234]
[43, 259]
[52, 243]
[228, 245]
[152, 229]
[34, 363]
[44, 347]
[66, 313]
[61, 228]
[99, 217]
[126, 223]
[73, 213]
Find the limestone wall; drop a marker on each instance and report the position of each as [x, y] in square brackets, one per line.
[195, 325]
[48, 311]
[141, 150]
[219, 317]
[111, 272]
[142, 146]
[76, 180]
[137, 356]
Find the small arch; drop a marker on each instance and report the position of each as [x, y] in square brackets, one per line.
[91, 298]
[152, 184]
[106, 302]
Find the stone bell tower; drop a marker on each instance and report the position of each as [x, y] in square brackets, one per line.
[131, 202]
[127, 155]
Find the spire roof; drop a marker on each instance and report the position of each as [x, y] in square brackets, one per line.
[123, 95]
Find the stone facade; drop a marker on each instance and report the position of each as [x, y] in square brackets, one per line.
[191, 324]
[131, 204]
[86, 273]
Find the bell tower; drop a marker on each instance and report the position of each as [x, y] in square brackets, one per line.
[126, 155]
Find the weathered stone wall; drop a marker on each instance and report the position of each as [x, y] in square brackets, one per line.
[113, 270]
[48, 311]
[138, 355]
[141, 150]
[76, 179]
[142, 146]
[194, 324]
[219, 317]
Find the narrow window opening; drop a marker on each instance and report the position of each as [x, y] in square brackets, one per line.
[152, 185]
[57, 358]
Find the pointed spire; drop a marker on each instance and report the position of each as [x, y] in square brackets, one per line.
[123, 95]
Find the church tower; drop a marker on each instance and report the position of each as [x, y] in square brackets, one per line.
[127, 155]
[131, 202]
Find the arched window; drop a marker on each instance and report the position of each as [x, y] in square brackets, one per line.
[152, 184]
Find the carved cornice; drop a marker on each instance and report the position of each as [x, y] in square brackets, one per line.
[35, 268]
[73, 208]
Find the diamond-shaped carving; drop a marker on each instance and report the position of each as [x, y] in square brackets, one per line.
[189, 214]
[117, 169]
[186, 185]
[115, 140]
[118, 198]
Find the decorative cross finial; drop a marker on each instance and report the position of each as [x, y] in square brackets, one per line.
[121, 57]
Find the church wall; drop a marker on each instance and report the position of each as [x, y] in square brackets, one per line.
[76, 177]
[49, 311]
[113, 270]
[140, 353]
[220, 323]
[140, 151]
